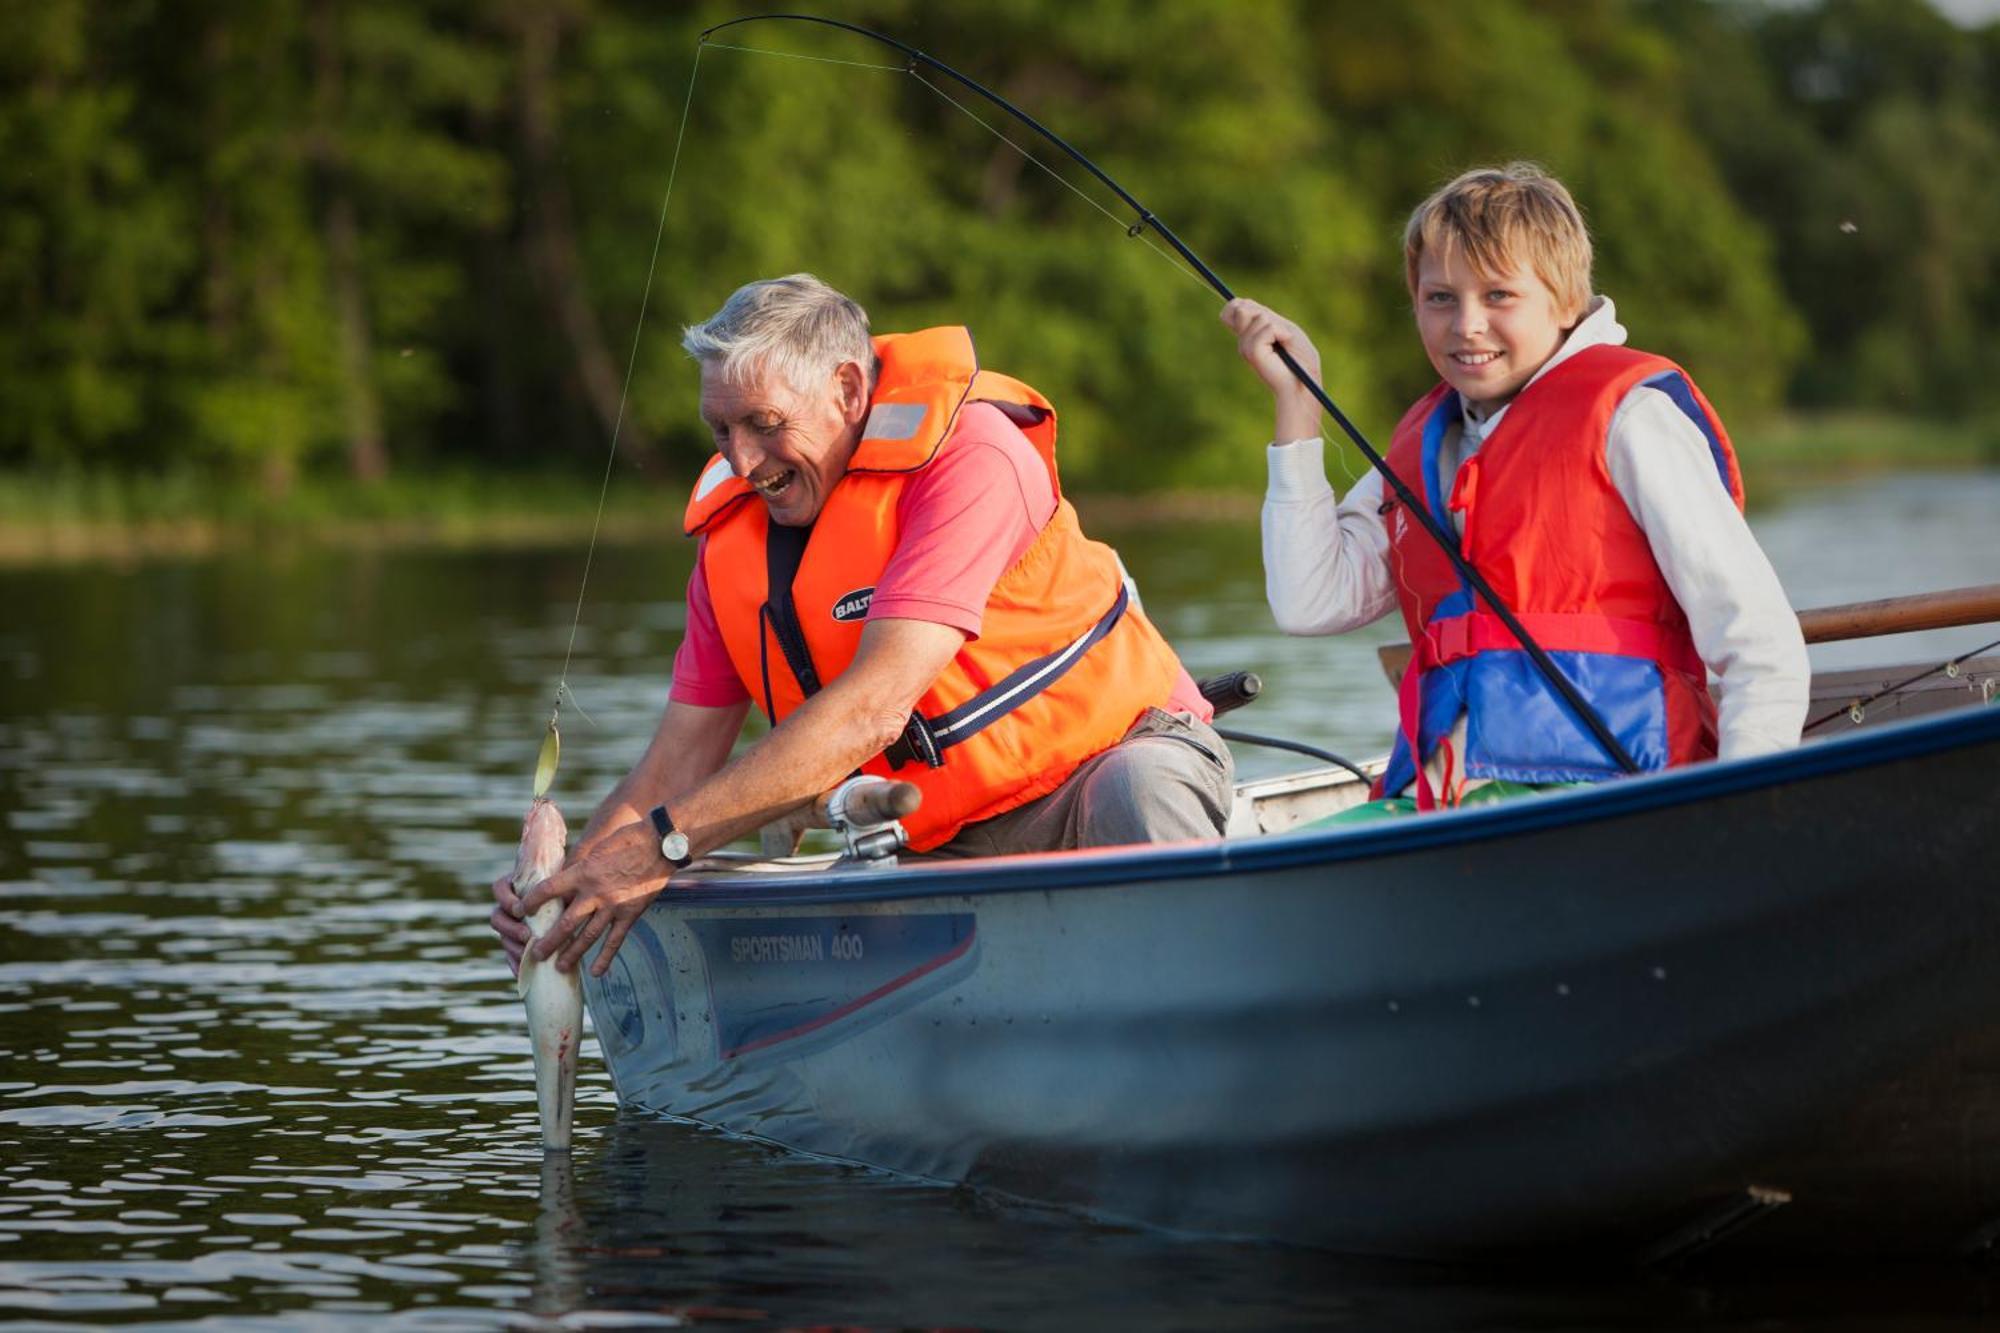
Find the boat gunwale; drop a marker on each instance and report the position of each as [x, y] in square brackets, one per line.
[1047, 872]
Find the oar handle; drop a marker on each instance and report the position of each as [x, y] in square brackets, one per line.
[1231, 691]
[1899, 615]
[871, 802]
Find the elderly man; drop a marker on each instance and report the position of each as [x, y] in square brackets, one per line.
[888, 569]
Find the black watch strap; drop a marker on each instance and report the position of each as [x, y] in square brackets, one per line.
[673, 842]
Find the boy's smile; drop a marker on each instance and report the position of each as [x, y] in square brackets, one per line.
[1487, 333]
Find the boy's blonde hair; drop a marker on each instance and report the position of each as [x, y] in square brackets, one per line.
[1502, 217]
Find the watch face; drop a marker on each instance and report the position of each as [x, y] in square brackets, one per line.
[675, 846]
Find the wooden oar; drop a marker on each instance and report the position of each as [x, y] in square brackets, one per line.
[1897, 615]
[1852, 620]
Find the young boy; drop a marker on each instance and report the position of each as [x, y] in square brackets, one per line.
[1590, 483]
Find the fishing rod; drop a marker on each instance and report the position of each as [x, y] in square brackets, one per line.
[1856, 710]
[1145, 220]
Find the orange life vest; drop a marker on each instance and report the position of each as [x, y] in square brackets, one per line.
[1065, 661]
[1546, 527]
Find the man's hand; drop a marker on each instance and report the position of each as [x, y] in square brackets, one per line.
[509, 922]
[607, 889]
[617, 870]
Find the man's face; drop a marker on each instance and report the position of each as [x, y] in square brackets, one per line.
[792, 445]
[1487, 333]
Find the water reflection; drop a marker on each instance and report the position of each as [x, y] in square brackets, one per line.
[259, 1062]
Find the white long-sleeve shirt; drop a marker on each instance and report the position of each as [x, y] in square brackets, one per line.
[1326, 562]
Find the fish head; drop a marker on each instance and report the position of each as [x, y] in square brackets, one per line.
[544, 838]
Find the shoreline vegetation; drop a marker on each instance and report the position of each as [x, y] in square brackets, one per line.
[59, 517]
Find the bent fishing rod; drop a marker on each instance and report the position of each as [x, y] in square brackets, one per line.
[1144, 220]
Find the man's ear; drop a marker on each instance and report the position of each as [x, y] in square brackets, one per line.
[852, 382]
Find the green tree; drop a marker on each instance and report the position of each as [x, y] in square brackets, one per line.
[1419, 93]
[1863, 133]
[337, 189]
[885, 188]
[95, 244]
[351, 235]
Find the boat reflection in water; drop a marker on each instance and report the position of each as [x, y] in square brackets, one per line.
[1633, 1017]
[671, 1223]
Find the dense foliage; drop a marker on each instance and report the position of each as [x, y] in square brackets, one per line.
[373, 234]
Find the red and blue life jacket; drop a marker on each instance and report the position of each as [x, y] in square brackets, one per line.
[1546, 527]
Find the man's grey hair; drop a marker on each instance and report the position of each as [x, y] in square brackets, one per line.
[795, 326]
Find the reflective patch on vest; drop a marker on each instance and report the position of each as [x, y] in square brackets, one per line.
[717, 472]
[852, 606]
[894, 421]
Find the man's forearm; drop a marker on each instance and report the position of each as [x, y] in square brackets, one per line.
[715, 801]
[859, 714]
[690, 746]
[615, 811]
[832, 734]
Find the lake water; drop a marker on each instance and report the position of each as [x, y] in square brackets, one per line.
[261, 1066]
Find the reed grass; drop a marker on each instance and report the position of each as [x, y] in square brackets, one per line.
[84, 514]
[73, 514]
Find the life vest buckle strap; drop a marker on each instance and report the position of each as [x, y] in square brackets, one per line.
[991, 704]
[1461, 636]
[1447, 641]
[927, 739]
[918, 744]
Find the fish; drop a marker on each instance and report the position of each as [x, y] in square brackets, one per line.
[554, 999]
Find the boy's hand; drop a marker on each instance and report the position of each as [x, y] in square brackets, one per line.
[1259, 332]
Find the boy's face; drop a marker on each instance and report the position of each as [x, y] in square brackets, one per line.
[1487, 333]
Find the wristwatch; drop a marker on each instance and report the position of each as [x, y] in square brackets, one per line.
[673, 842]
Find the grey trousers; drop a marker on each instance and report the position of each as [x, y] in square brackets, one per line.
[1169, 780]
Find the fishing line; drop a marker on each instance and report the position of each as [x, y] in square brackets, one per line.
[800, 55]
[1859, 707]
[1137, 233]
[545, 765]
[1346, 463]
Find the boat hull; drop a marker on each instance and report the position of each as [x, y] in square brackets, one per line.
[1597, 1018]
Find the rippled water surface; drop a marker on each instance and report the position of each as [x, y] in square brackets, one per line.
[260, 1064]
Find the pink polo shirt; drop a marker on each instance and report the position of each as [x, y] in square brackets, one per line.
[965, 520]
